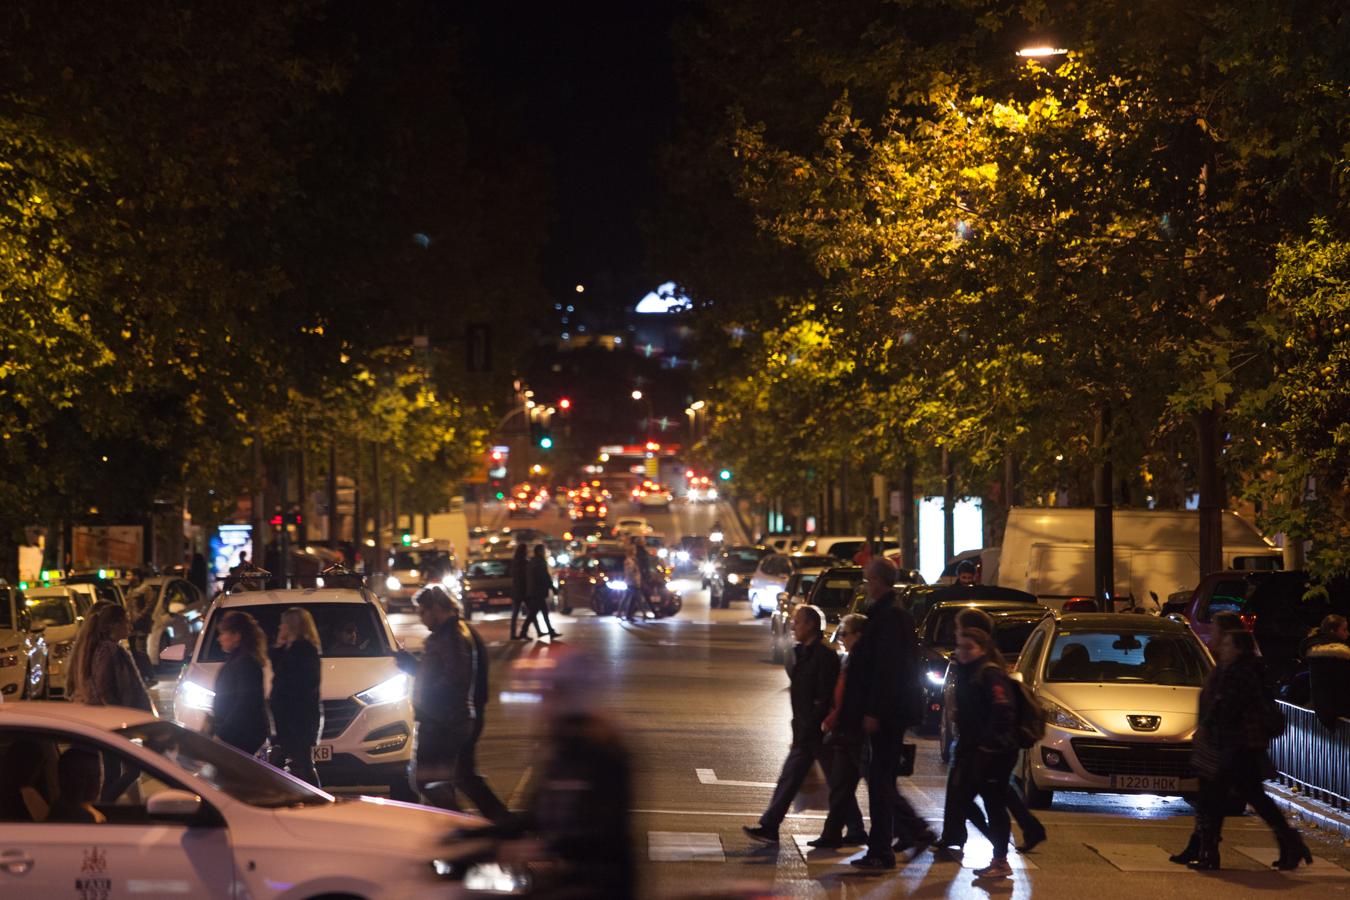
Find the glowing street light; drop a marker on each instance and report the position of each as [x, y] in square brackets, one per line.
[581, 289]
[636, 395]
[697, 405]
[1041, 52]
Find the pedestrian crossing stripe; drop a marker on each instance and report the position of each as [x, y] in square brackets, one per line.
[685, 846]
[1320, 867]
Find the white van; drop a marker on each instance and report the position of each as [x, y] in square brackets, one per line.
[1049, 552]
[367, 736]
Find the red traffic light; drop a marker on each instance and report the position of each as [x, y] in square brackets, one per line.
[564, 403]
[496, 456]
[653, 446]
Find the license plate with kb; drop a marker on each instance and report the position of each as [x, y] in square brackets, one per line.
[1156, 783]
[323, 753]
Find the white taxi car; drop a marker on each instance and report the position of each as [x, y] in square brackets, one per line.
[1120, 694]
[59, 610]
[367, 736]
[23, 650]
[170, 812]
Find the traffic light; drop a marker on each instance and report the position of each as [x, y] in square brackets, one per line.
[564, 404]
[406, 538]
[725, 474]
[546, 442]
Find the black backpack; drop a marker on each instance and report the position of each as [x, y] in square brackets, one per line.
[1029, 724]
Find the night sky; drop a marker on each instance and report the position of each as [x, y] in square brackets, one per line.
[594, 86]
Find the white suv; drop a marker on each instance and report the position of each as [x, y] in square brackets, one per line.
[367, 733]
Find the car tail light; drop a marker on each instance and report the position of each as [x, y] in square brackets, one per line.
[1248, 621]
[1080, 604]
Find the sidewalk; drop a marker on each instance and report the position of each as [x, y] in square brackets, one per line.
[1310, 813]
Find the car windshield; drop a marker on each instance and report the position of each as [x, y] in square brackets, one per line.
[1098, 657]
[224, 768]
[834, 592]
[489, 568]
[804, 583]
[742, 557]
[51, 610]
[345, 629]
[418, 559]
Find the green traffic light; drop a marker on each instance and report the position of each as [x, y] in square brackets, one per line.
[546, 443]
[725, 474]
[501, 496]
[407, 539]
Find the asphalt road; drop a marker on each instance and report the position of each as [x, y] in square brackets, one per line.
[704, 714]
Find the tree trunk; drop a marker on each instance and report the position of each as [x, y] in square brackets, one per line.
[378, 514]
[948, 508]
[283, 573]
[259, 499]
[332, 495]
[1104, 579]
[1012, 481]
[301, 488]
[909, 528]
[1211, 492]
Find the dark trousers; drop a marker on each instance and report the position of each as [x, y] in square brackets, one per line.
[436, 761]
[475, 786]
[517, 604]
[892, 815]
[537, 608]
[992, 771]
[795, 767]
[297, 755]
[963, 786]
[844, 773]
[1245, 781]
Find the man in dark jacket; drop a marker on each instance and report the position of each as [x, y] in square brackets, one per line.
[880, 699]
[520, 565]
[443, 696]
[1329, 670]
[812, 675]
[467, 779]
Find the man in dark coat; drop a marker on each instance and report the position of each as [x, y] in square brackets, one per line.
[467, 779]
[520, 564]
[443, 696]
[812, 675]
[1329, 670]
[880, 698]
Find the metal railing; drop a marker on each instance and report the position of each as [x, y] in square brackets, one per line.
[1313, 757]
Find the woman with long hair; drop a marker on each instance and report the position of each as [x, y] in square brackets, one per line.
[102, 672]
[297, 711]
[239, 714]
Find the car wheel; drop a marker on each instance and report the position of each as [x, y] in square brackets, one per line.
[1036, 797]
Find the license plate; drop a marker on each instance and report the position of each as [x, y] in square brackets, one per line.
[1153, 783]
[323, 753]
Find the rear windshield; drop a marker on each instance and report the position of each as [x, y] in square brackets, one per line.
[418, 559]
[345, 629]
[1127, 657]
[51, 610]
[489, 568]
[813, 562]
[744, 556]
[1228, 596]
[834, 592]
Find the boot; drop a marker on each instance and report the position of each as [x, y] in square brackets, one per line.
[1191, 853]
[1292, 850]
[1207, 854]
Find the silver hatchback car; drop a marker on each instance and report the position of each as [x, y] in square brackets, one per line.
[1120, 693]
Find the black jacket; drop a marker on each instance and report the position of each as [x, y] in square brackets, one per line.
[813, 673]
[114, 679]
[480, 677]
[297, 710]
[538, 582]
[520, 566]
[986, 709]
[1329, 673]
[239, 714]
[443, 686]
[882, 681]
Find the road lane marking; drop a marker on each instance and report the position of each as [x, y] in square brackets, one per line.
[1321, 867]
[685, 846]
[708, 776]
[1136, 857]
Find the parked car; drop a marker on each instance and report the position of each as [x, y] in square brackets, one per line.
[59, 610]
[727, 573]
[23, 651]
[173, 609]
[486, 584]
[1120, 693]
[843, 547]
[192, 817]
[367, 733]
[784, 543]
[794, 593]
[770, 578]
[101, 582]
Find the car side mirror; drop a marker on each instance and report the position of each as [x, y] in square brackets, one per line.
[173, 653]
[1015, 675]
[174, 805]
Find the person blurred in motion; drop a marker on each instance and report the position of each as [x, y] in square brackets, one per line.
[880, 700]
[102, 672]
[443, 696]
[539, 584]
[577, 817]
[844, 824]
[986, 746]
[297, 710]
[520, 597]
[646, 577]
[633, 578]
[239, 712]
[467, 777]
[812, 676]
[1238, 718]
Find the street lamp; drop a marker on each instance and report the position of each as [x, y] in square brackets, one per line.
[1041, 52]
[638, 396]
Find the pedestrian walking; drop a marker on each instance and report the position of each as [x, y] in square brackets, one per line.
[812, 676]
[101, 671]
[1238, 718]
[844, 824]
[632, 577]
[646, 577]
[880, 700]
[239, 712]
[467, 777]
[520, 599]
[986, 747]
[961, 786]
[297, 710]
[443, 696]
[538, 585]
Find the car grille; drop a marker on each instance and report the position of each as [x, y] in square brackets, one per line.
[337, 715]
[1121, 758]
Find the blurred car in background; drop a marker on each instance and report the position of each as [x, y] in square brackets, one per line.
[794, 593]
[727, 573]
[485, 584]
[771, 577]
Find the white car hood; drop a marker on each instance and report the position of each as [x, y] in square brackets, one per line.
[371, 823]
[1108, 706]
[340, 677]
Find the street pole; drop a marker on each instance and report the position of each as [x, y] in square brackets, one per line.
[1104, 579]
[948, 507]
[378, 512]
[332, 495]
[909, 531]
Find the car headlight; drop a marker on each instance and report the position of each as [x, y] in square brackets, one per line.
[715, 537]
[194, 696]
[485, 877]
[617, 585]
[1063, 718]
[733, 578]
[708, 569]
[393, 584]
[712, 494]
[451, 581]
[662, 553]
[937, 678]
[389, 691]
[682, 556]
[563, 558]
